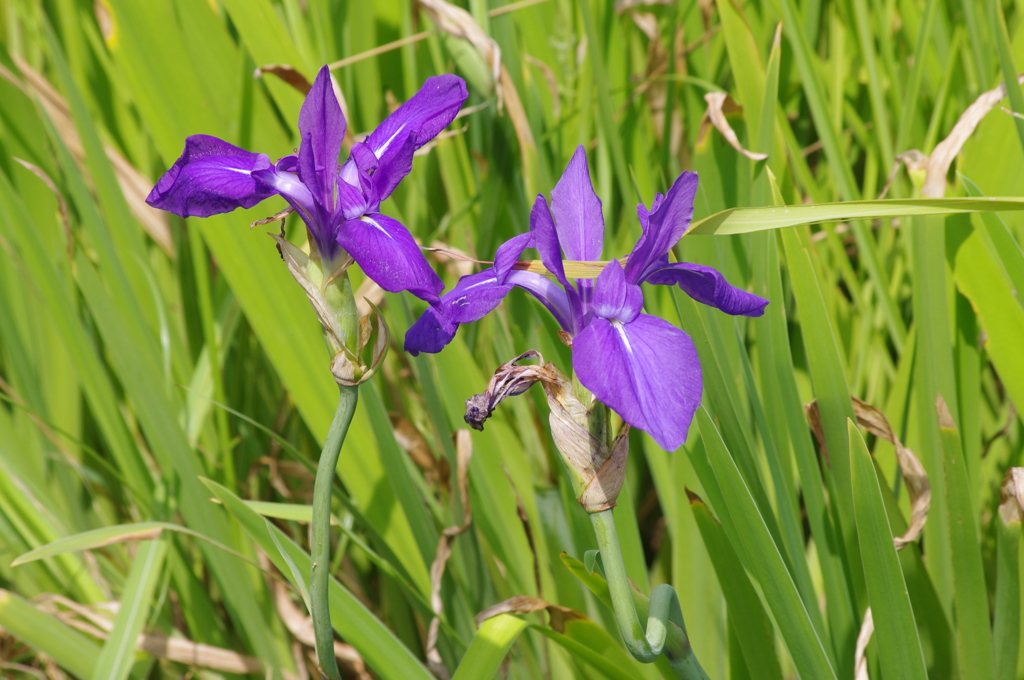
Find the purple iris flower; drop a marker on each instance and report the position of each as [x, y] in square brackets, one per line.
[641, 366]
[339, 204]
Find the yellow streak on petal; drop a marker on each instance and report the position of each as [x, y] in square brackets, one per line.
[574, 269]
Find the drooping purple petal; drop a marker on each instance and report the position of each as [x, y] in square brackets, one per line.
[647, 371]
[472, 298]
[508, 254]
[663, 226]
[614, 297]
[211, 177]
[388, 254]
[577, 209]
[322, 129]
[412, 125]
[708, 286]
[431, 333]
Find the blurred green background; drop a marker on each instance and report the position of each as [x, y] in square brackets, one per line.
[165, 387]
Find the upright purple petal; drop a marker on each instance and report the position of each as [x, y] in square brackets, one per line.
[614, 297]
[388, 254]
[663, 226]
[545, 238]
[577, 209]
[707, 285]
[647, 371]
[412, 125]
[322, 129]
[508, 254]
[210, 178]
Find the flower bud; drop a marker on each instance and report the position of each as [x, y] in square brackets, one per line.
[329, 290]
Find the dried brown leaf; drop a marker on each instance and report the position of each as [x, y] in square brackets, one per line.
[301, 628]
[720, 103]
[1012, 495]
[464, 453]
[525, 604]
[945, 151]
[459, 23]
[288, 74]
[860, 660]
[914, 475]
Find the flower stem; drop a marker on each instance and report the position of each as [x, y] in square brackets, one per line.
[321, 547]
[666, 631]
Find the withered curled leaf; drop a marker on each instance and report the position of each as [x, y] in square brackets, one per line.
[720, 103]
[525, 604]
[1012, 494]
[914, 475]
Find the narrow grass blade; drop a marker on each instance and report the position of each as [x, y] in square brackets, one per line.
[120, 533]
[383, 652]
[764, 560]
[833, 394]
[492, 641]
[970, 597]
[118, 653]
[748, 220]
[899, 647]
[747, 618]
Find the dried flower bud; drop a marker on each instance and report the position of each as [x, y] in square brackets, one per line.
[597, 469]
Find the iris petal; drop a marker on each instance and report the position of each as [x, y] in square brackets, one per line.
[322, 129]
[577, 210]
[388, 254]
[508, 253]
[546, 239]
[211, 177]
[708, 286]
[412, 125]
[472, 298]
[663, 226]
[614, 297]
[647, 371]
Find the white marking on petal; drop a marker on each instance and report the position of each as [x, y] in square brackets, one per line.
[371, 221]
[620, 329]
[379, 151]
[481, 283]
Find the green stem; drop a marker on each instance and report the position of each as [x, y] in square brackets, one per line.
[666, 631]
[321, 548]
